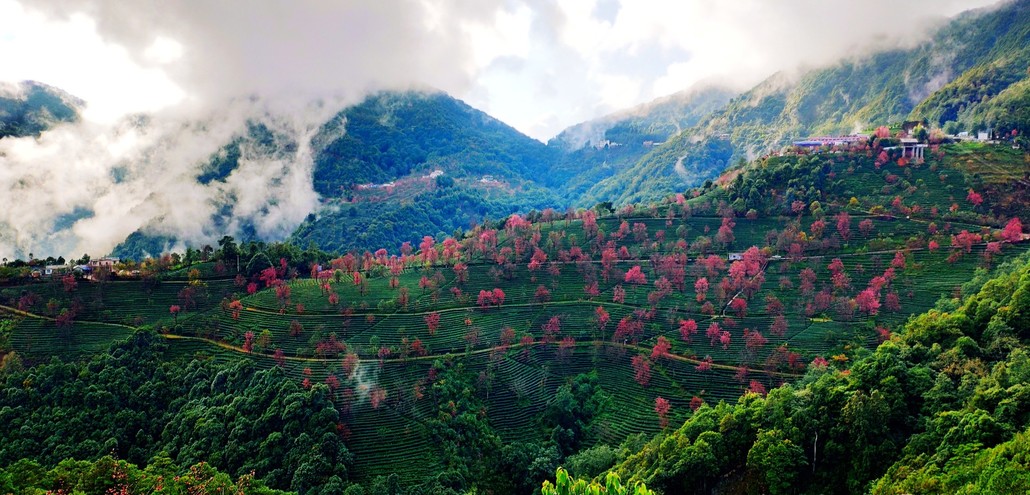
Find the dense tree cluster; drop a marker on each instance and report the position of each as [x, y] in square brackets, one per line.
[136, 404]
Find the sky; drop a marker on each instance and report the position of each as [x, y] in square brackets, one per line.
[167, 83]
[538, 65]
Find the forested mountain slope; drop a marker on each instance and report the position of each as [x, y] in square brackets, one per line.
[394, 134]
[28, 108]
[603, 147]
[969, 75]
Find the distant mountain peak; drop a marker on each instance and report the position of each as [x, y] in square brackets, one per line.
[28, 108]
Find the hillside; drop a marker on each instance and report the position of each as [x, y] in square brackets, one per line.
[958, 79]
[489, 360]
[402, 165]
[389, 170]
[29, 108]
[395, 134]
[597, 149]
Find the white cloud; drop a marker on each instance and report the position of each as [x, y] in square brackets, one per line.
[668, 45]
[71, 55]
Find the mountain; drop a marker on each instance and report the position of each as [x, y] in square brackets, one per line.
[29, 108]
[390, 169]
[593, 151]
[391, 135]
[969, 75]
[402, 165]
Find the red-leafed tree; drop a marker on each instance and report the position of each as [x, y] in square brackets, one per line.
[964, 240]
[628, 329]
[485, 299]
[618, 294]
[725, 234]
[817, 228]
[705, 364]
[754, 340]
[280, 357]
[432, 322]
[868, 301]
[566, 346]
[899, 261]
[1013, 230]
[526, 342]
[713, 332]
[701, 289]
[865, 226]
[635, 276]
[602, 318]
[641, 370]
[779, 326]
[696, 403]
[349, 364]
[661, 348]
[552, 328]
[974, 198]
[993, 248]
[739, 306]
[248, 341]
[773, 305]
[883, 334]
[65, 319]
[707, 308]
[661, 406]
[542, 294]
[756, 387]
[175, 309]
[376, 397]
[538, 260]
[418, 348]
[844, 225]
[235, 307]
[687, 329]
[69, 282]
[461, 273]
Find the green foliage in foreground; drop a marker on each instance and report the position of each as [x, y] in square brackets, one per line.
[942, 408]
[135, 403]
[566, 485]
[1001, 469]
[108, 475]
